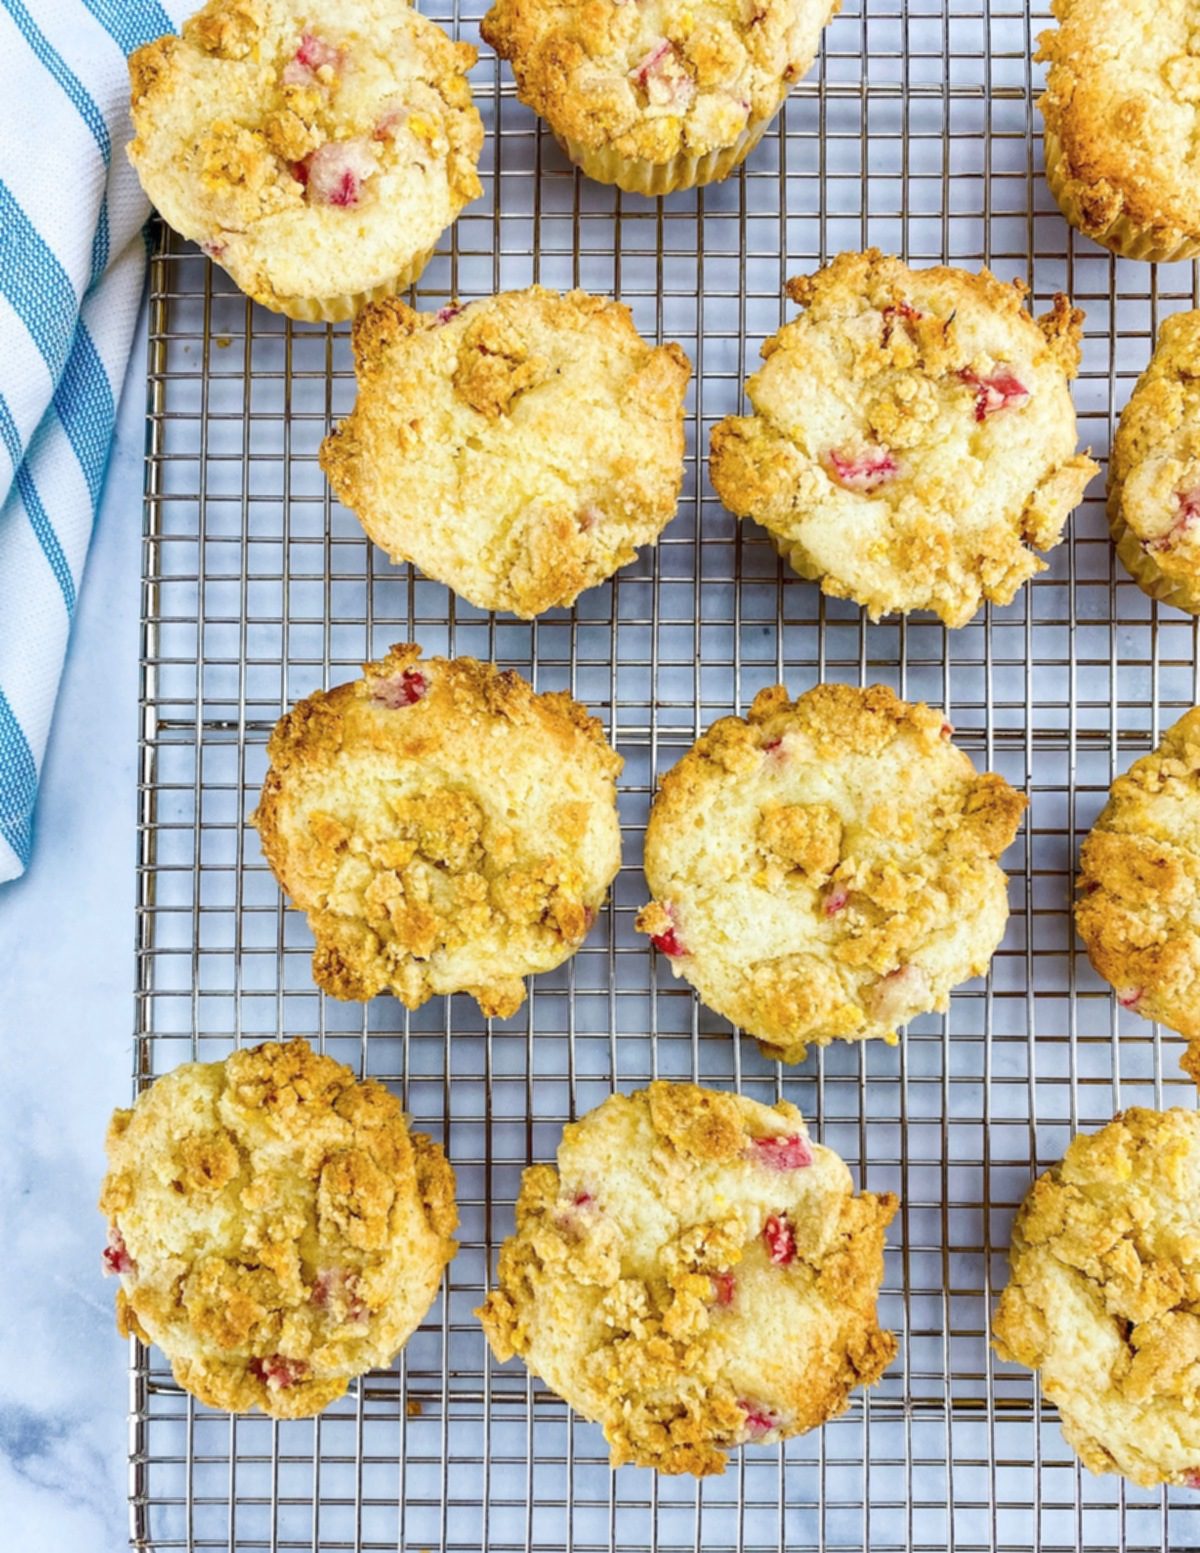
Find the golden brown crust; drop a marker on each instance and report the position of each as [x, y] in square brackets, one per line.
[1104, 1292]
[276, 1227]
[826, 868]
[443, 827]
[1120, 109]
[913, 439]
[316, 155]
[694, 1275]
[1138, 910]
[654, 82]
[519, 449]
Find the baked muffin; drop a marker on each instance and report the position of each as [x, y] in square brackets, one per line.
[1120, 112]
[276, 1227]
[1154, 471]
[694, 1276]
[826, 868]
[913, 437]
[657, 96]
[316, 153]
[519, 449]
[444, 828]
[1138, 910]
[1105, 1291]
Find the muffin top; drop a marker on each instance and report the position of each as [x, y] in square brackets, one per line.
[444, 828]
[518, 449]
[312, 153]
[695, 1275]
[1105, 1291]
[1138, 911]
[276, 1227]
[1122, 97]
[826, 868]
[913, 436]
[659, 78]
[1154, 472]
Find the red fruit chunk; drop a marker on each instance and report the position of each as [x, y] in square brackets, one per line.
[1192, 1479]
[214, 249]
[863, 471]
[334, 173]
[723, 1287]
[334, 1281]
[661, 85]
[760, 1420]
[651, 63]
[668, 943]
[836, 899]
[278, 1371]
[1189, 516]
[1130, 997]
[115, 1256]
[445, 314]
[582, 1199]
[315, 52]
[787, 1153]
[896, 311]
[1001, 391]
[773, 747]
[946, 730]
[781, 1242]
[401, 690]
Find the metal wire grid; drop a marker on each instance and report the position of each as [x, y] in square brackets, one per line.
[916, 132]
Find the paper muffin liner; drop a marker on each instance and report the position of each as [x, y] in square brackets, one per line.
[334, 309]
[1121, 236]
[1180, 592]
[637, 176]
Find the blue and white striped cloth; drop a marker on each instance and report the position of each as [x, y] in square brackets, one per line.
[72, 265]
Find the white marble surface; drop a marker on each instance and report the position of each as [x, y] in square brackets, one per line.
[66, 1007]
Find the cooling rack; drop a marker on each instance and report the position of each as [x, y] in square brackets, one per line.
[916, 132]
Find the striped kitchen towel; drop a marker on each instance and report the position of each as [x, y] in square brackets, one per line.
[72, 265]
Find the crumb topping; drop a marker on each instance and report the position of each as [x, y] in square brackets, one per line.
[826, 869]
[1104, 1294]
[276, 1227]
[1154, 472]
[518, 450]
[310, 154]
[444, 828]
[1121, 100]
[913, 439]
[700, 1294]
[1138, 910]
[659, 78]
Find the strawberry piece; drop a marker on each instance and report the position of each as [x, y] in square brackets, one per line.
[334, 1283]
[278, 1371]
[445, 314]
[894, 313]
[723, 1287]
[669, 943]
[582, 1199]
[1192, 1479]
[1189, 516]
[1130, 997]
[334, 173]
[790, 1152]
[214, 248]
[836, 899]
[115, 1256]
[760, 1420]
[315, 52]
[946, 731]
[773, 747]
[404, 689]
[660, 76]
[1001, 391]
[781, 1242]
[863, 471]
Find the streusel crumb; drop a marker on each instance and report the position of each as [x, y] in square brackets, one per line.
[695, 1275]
[913, 438]
[444, 828]
[1105, 1291]
[826, 868]
[518, 449]
[276, 1227]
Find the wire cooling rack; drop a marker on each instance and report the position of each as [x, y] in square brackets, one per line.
[915, 132]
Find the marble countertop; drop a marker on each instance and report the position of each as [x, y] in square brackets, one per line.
[66, 1012]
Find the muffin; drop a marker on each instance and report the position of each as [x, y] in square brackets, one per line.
[444, 828]
[913, 437]
[657, 96]
[276, 1228]
[1154, 471]
[695, 1275]
[1105, 1291]
[826, 868]
[1120, 109]
[518, 449]
[315, 154]
[1138, 910]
